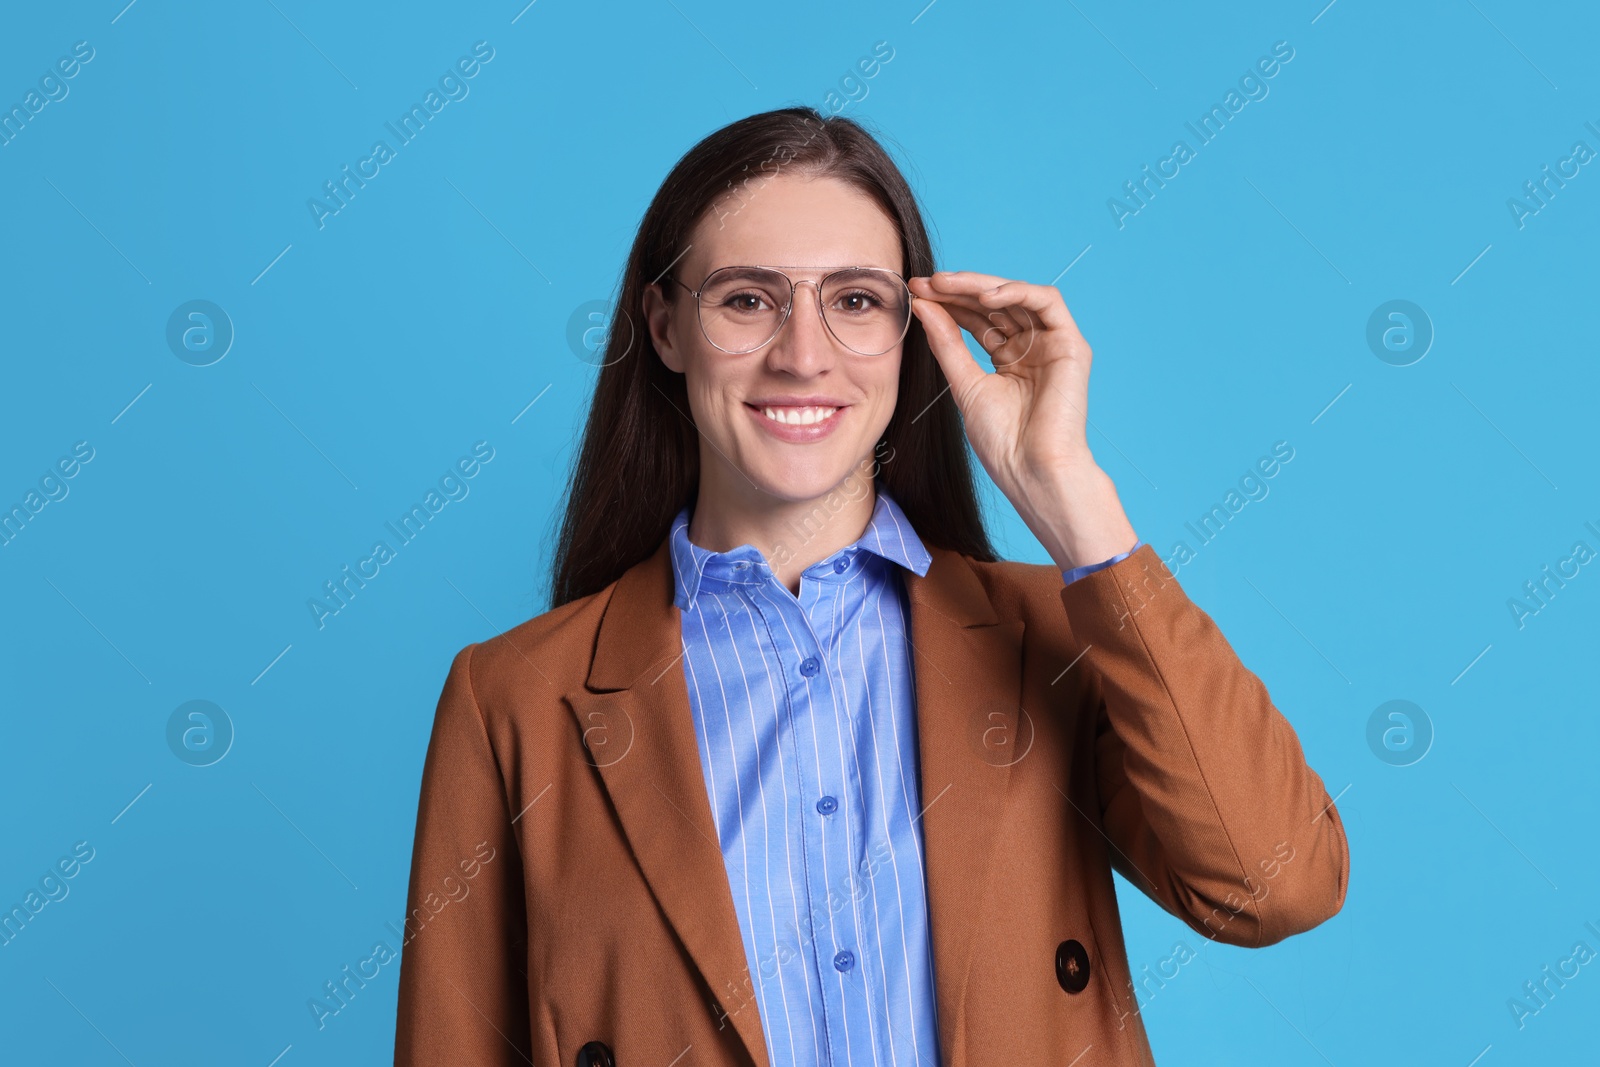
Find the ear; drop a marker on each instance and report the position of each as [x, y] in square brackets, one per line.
[659, 319]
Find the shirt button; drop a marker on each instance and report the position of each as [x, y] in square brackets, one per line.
[827, 805]
[809, 666]
[840, 566]
[843, 960]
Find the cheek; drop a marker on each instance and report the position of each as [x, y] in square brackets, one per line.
[885, 388]
[711, 393]
[891, 382]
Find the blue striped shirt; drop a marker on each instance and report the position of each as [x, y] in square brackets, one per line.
[805, 714]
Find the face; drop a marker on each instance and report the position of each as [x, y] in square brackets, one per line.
[793, 419]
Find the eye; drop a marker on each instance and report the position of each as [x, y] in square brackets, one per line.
[746, 300]
[858, 300]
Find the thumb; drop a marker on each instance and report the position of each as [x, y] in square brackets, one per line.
[944, 338]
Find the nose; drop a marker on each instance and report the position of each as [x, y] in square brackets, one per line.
[804, 346]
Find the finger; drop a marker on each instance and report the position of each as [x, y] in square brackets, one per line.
[990, 290]
[958, 285]
[994, 322]
[1011, 319]
[944, 338]
[925, 290]
[1000, 337]
[1044, 301]
[965, 281]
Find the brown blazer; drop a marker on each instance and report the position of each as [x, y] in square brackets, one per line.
[1063, 731]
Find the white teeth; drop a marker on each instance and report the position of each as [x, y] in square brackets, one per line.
[798, 416]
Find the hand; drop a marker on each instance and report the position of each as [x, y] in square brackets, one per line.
[1027, 420]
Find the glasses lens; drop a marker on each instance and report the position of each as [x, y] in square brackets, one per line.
[741, 308]
[867, 309]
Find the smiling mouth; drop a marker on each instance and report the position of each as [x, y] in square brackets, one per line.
[801, 416]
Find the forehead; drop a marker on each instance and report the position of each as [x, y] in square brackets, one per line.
[796, 222]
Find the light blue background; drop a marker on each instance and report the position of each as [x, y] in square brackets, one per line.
[1225, 316]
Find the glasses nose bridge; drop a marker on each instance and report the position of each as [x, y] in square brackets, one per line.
[794, 292]
[794, 289]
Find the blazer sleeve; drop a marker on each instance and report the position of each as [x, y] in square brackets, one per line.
[1204, 791]
[463, 982]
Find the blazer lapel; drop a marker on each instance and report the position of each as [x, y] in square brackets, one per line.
[637, 701]
[970, 730]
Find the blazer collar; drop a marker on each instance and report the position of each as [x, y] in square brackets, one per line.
[967, 673]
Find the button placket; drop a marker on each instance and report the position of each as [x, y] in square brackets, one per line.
[837, 914]
[849, 913]
[808, 696]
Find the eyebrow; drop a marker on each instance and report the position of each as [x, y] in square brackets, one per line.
[745, 269]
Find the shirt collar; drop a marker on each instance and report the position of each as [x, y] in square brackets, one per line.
[695, 569]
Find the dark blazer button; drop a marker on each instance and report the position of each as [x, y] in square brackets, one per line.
[595, 1054]
[1072, 966]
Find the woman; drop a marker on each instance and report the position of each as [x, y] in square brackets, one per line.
[795, 771]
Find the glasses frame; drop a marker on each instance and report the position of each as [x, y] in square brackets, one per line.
[788, 307]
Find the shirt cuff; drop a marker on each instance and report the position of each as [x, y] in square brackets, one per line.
[1089, 568]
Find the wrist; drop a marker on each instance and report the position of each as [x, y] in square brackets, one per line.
[1078, 518]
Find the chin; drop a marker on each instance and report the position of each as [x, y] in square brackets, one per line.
[800, 481]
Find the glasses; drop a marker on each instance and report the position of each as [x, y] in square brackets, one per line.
[867, 309]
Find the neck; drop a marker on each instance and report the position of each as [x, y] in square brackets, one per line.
[790, 534]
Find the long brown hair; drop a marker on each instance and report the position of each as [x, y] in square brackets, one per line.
[640, 459]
